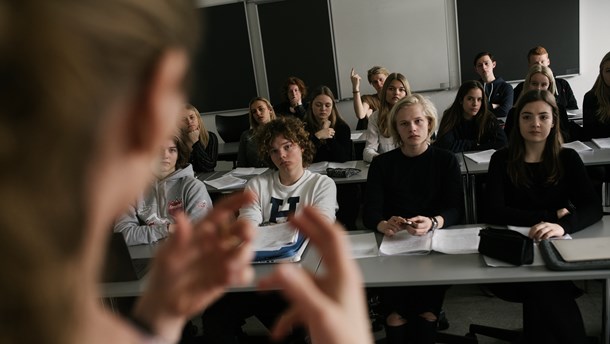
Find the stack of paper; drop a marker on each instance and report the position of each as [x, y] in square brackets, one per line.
[577, 146]
[274, 237]
[323, 165]
[602, 143]
[247, 171]
[480, 157]
[363, 245]
[449, 241]
[226, 181]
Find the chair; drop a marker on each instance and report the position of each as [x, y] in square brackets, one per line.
[230, 128]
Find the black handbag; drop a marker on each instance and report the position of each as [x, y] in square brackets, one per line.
[506, 245]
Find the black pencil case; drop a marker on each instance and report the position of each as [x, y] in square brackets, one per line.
[342, 172]
[506, 245]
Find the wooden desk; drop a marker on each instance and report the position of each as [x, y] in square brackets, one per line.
[446, 269]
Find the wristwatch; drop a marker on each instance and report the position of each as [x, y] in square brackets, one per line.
[434, 223]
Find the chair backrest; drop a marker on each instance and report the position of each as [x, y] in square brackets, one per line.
[230, 128]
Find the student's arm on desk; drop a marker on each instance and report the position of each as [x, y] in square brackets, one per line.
[135, 233]
[194, 266]
[253, 212]
[587, 206]
[452, 200]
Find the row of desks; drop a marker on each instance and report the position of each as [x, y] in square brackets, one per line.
[432, 269]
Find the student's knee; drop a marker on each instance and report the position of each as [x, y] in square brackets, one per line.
[394, 319]
[429, 316]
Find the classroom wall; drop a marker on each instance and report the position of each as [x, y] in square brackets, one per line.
[594, 44]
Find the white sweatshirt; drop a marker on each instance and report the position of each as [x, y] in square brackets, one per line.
[275, 201]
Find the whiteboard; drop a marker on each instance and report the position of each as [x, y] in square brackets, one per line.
[409, 37]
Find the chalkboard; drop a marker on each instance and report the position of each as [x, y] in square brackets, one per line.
[409, 37]
[297, 41]
[223, 70]
[509, 29]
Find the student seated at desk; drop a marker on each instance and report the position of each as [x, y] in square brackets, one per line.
[596, 104]
[378, 138]
[564, 94]
[294, 93]
[534, 182]
[328, 131]
[365, 105]
[498, 93]
[175, 190]
[540, 77]
[331, 137]
[261, 112]
[202, 144]
[283, 190]
[468, 125]
[418, 188]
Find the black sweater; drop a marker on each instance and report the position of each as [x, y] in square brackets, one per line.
[498, 92]
[203, 158]
[591, 125]
[428, 184]
[336, 149]
[508, 204]
[463, 137]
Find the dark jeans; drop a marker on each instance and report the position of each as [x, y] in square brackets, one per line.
[550, 312]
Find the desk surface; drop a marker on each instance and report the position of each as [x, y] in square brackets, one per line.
[358, 178]
[593, 157]
[230, 149]
[311, 261]
[438, 268]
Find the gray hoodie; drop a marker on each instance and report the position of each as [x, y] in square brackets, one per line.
[149, 218]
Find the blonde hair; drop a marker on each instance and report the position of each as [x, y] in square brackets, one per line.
[413, 99]
[384, 110]
[65, 64]
[253, 123]
[204, 136]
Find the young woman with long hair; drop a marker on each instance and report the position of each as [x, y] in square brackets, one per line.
[468, 124]
[536, 183]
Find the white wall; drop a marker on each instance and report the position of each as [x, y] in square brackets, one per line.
[594, 44]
